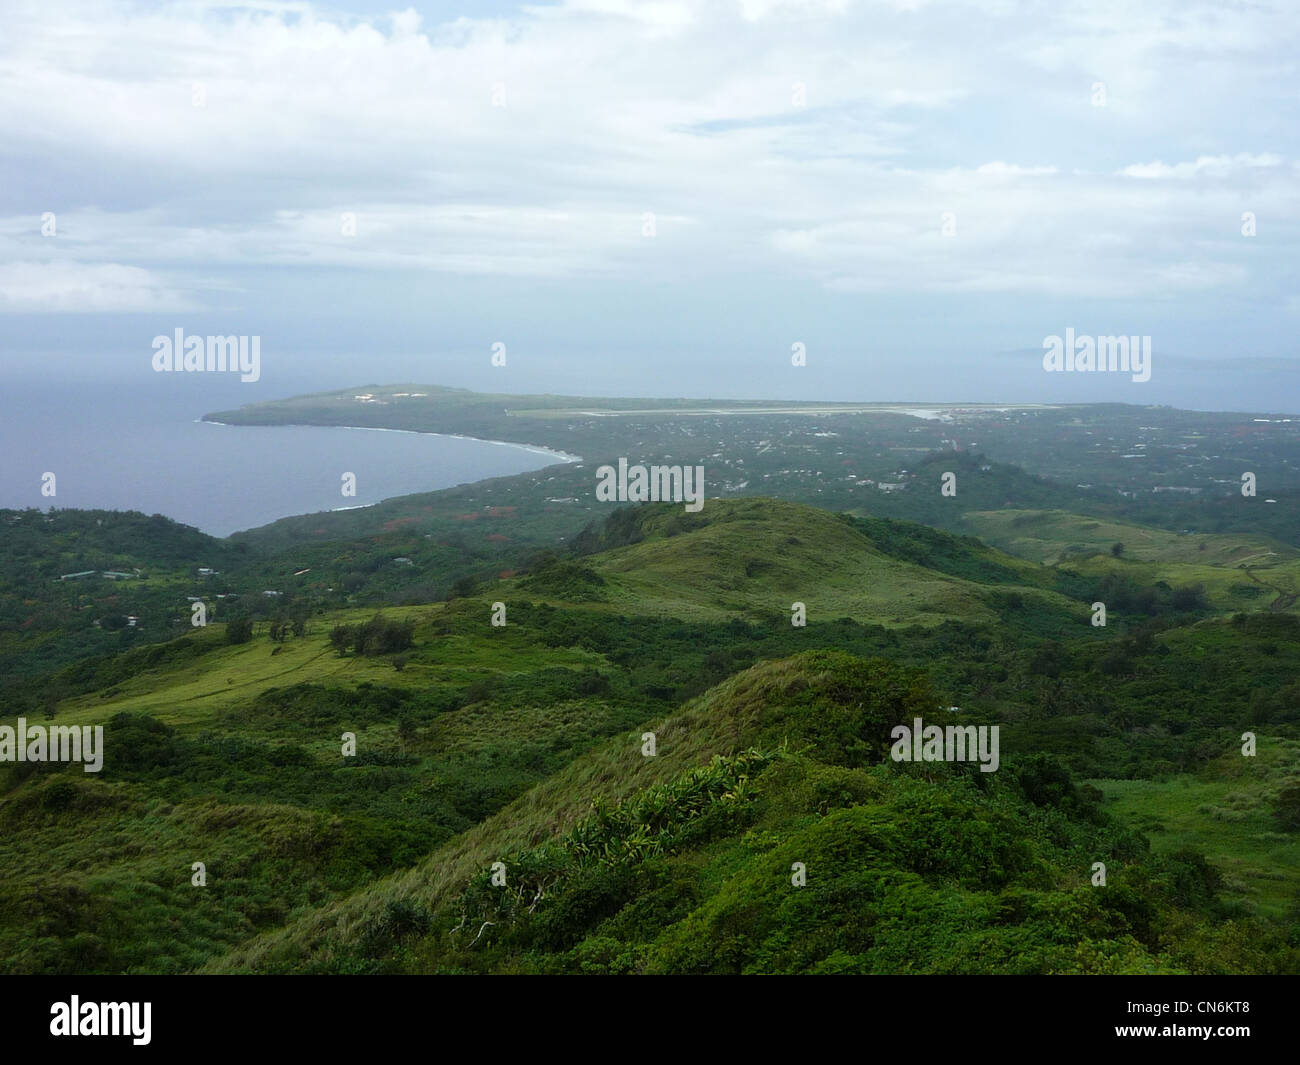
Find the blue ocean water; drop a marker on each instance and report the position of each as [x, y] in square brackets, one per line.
[143, 448]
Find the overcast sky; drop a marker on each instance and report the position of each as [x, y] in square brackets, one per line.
[502, 162]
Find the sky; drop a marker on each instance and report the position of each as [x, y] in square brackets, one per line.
[659, 198]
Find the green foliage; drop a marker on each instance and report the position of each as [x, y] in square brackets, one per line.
[518, 744]
[378, 636]
[585, 875]
[847, 708]
[1286, 808]
[239, 630]
[565, 580]
[904, 874]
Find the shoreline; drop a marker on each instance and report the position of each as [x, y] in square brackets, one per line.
[536, 449]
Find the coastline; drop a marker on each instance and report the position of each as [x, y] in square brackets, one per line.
[563, 457]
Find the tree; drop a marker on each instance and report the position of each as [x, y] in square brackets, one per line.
[463, 587]
[1117, 549]
[340, 637]
[1286, 808]
[239, 630]
[1190, 597]
[1117, 663]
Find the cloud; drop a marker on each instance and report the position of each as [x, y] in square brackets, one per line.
[1000, 169]
[815, 139]
[74, 288]
[1217, 166]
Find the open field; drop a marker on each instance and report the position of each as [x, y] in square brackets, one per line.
[1224, 812]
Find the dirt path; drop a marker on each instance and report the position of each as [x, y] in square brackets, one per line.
[1284, 601]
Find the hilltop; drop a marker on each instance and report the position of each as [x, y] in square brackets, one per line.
[753, 558]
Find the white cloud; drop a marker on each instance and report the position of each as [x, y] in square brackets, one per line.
[75, 288]
[1217, 166]
[1000, 169]
[613, 109]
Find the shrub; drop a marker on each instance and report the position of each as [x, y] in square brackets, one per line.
[1286, 808]
[239, 630]
[566, 580]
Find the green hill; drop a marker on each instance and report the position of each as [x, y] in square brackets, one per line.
[1236, 571]
[1051, 536]
[754, 558]
[1228, 811]
[75, 583]
[477, 744]
[683, 862]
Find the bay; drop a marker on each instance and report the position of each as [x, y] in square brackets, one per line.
[144, 448]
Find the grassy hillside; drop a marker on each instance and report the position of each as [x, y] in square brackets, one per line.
[754, 558]
[1236, 571]
[1052, 536]
[683, 862]
[1227, 811]
[231, 755]
[478, 743]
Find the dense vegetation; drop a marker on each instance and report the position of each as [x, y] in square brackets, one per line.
[391, 709]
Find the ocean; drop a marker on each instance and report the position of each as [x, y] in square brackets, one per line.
[143, 448]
